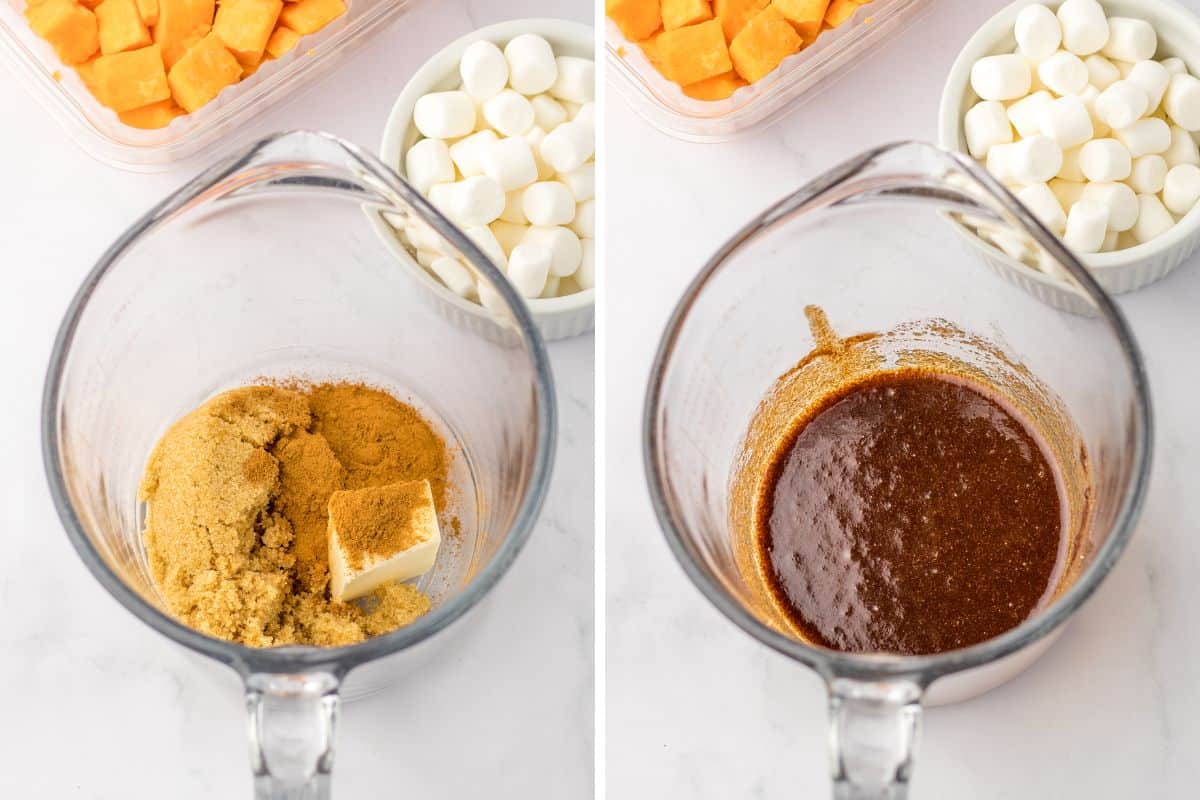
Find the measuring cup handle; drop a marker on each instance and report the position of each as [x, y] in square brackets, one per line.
[292, 720]
[874, 729]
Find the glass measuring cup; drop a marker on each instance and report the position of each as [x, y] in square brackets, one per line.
[266, 265]
[883, 240]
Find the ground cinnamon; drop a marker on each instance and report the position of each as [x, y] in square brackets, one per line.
[378, 522]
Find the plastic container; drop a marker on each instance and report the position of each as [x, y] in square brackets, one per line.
[98, 130]
[664, 105]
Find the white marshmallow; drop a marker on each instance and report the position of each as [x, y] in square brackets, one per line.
[477, 200]
[1153, 78]
[565, 250]
[986, 124]
[1084, 26]
[454, 275]
[581, 181]
[1087, 223]
[423, 237]
[1182, 102]
[1174, 66]
[1067, 192]
[444, 115]
[1025, 116]
[568, 146]
[1003, 77]
[488, 243]
[483, 69]
[586, 115]
[1153, 218]
[514, 208]
[531, 66]
[1148, 174]
[467, 153]
[585, 276]
[1070, 169]
[1067, 121]
[528, 268]
[1118, 199]
[1146, 136]
[508, 234]
[535, 136]
[548, 113]
[1063, 73]
[576, 81]
[1181, 189]
[548, 203]
[1122, 104]
[493, 301]
[1089, 95]
[428, 162]
[584, 223]
[1102, 73]
[1183, 149]
[1105, 160]
[1111, 240]
[426, 258]
[509, 112]
[573, 109]
[1130, 39]
[1038, 32]
[552, 285]
[1045, 206]
[509, 162]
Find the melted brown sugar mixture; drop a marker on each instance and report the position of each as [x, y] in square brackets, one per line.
[909, 513]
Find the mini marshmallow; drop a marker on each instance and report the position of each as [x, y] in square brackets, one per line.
[508, 234]
[514, 208]
[426, 258]
[1063, 73]
[1102, 73]
[552, 285]
[535, 136]
[549, 203]
[454, 275]
[488, 243]
[1025, 116]
[1089, 95]
[1130, 40]
[1182, 101]
[1153, 218]
[568, 146]
[1067, 121]
[548, 113]
[1084, 26]
[565, 250]
[467, 153]
[531, 65]
[1105, 160]
[1003, 77]
[528, 268]
[1111, 239]
[1153, 78]
[581, 181]
[509, 162]
[987, 123]
[509, 112]
[584, 223]
[586, 115]
[1149, 173]
[1118, 199]
[573, 109]
[477, 200]
[1038, 32]
[1087, 224]
[444, 115]
[1181, 189]
[492, 300]
[1122, 104]
[585, 276]
[1067, 192]
[1174, 66]
[1070, 169]
[483, 69]
[1146, 136]
[428, 162]
[1045, 206]
[1183, 149]
[423, 237]
[576, 81]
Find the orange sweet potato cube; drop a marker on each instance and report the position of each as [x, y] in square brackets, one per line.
[839, 12]
[149, 11]
[245, 26]
[205, 69]
[717, 87]
[155, 115]
[767, 39]
[180, 24]
[121, 26]
[282, 41]
[681, 13]
[806, 16]
[691, 54]
[131, 79]
[309, 16]
[69, 28]
[734, 14]
[637, 19]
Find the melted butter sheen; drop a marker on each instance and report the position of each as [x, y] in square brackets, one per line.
[909, 514]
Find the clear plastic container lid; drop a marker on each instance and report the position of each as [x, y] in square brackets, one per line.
[98, 130]
[663, 103]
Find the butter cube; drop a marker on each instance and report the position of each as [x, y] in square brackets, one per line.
[681, 13]
[766, 40]
[734, 14]
[135, 78]
[202, 72]
[309, 16]
[694, 53]
[380, 535]
[806, 16]
[637, 19]
[69, 28]
[121, 26]
[245, 26]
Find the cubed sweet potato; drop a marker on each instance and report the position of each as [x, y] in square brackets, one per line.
[681, 13]
[309, 16]
[121, 27]
[806, 16]
[282, 41]
[691, 54]
[839, 12]
[734, 14]
[245, 26]
[149, 11]
[203, 71]
[131, 79]
[717, 87]
[181, 23]
[637, 19]
[767, 39]
[155, 115]
[70, 29]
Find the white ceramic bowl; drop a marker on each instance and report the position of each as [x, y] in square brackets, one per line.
[1122, 270]
[556, 317]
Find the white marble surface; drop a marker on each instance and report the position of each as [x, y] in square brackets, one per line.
[698, 710]
[98, 706]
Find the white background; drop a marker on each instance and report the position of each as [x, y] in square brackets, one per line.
[698, 710]
[96, 704]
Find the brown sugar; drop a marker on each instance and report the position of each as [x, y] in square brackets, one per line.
[238, 492]
[378, 522]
